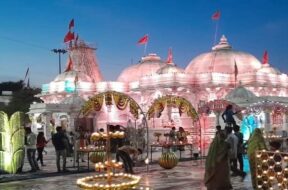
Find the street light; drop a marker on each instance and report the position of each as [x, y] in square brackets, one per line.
[59, 51]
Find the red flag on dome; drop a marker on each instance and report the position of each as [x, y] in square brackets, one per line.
[69, 37]
[235, 72]
[216, 15]
[69, 66]
[265, 58]
[76, 80]
[170, 56]
[235, 69]
[71, 24]
[143, 40]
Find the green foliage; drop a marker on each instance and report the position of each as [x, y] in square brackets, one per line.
[11, 86]
[22, 99]
[12, 136]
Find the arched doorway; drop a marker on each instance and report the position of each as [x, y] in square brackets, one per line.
[111, 103]
[210, 114]
[183, 108]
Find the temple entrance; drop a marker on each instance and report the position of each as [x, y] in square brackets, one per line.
[172, 111]
[210, 116]
[117, 109]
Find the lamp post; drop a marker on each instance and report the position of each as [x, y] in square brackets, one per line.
[59, 52]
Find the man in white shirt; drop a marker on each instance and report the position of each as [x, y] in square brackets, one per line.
[30, 143]
[232, 140]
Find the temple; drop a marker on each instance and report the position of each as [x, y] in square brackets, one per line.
[210, 82]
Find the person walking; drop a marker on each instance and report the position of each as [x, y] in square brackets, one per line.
[31, 149]
[240, 148]
[217, 173]
[41, 143]
[232, 140]
[255, 143]
[58, 141]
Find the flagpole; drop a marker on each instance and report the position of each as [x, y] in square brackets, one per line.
[216, 31]
[145, 47]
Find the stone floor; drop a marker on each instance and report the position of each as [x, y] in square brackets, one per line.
[187, 175]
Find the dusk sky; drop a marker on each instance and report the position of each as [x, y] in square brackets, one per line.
[29, 29]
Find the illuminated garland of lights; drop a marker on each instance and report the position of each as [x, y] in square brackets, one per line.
[271, 170]
[99, 182]
[182, 104]
[98, 135]
[112, 164]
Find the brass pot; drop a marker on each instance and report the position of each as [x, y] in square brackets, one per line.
[96, 157]
[168, 160]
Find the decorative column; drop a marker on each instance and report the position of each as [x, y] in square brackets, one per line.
[267, 123]
[95, 126]
[72, 117]
[47, 131]
[217, 118]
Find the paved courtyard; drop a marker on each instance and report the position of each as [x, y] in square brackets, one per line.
[186, 175]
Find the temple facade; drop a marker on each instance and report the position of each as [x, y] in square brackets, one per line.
[221, 74]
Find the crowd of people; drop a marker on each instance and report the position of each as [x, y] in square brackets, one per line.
[224, 159]
[226, 151]
[62, 141]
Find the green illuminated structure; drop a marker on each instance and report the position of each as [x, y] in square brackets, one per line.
[12, 137]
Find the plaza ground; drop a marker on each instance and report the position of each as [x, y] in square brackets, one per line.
[187, 175]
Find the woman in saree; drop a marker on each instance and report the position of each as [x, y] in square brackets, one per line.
[255, 143]
[217, 171]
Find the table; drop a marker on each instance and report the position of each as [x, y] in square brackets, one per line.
[88, 151]
[165, 145]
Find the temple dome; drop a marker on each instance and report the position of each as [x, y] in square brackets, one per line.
[71, 75]
[148, 65]
[222, 59]
[170, 68]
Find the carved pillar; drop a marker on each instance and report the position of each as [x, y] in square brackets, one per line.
[217, 118]
[95, 122]
[47, 132]
[267, 124]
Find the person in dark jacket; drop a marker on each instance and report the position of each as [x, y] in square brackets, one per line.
[58, 141]
[240, 148]
[228, 114]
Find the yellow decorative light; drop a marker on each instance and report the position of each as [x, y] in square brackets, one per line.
[100, 182]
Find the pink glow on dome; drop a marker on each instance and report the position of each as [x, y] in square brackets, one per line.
[149, 65]
[222, 59]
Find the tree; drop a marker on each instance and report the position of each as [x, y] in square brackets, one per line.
[11, 86]
[21, 97]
